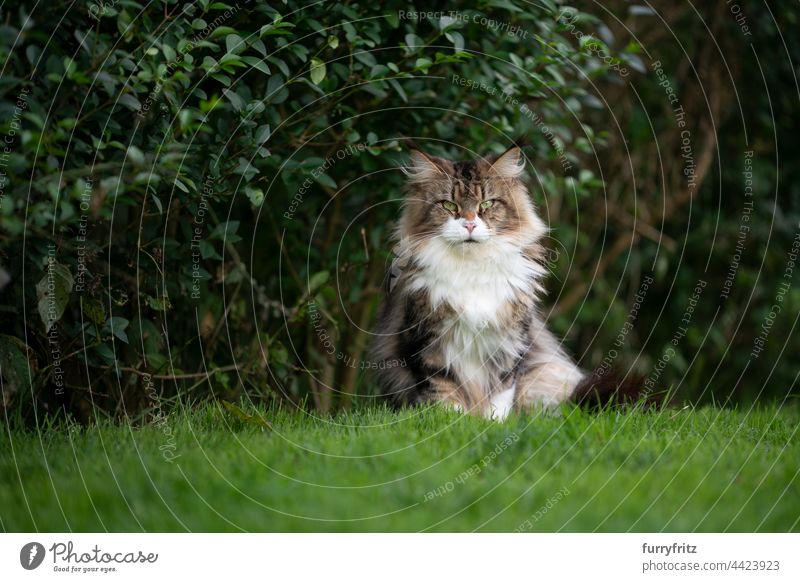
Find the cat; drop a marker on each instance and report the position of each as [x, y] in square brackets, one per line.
[462, 307]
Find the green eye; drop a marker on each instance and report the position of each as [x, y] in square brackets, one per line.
[451, 206]
[487, 204]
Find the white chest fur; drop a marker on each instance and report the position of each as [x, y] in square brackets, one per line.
[476, 280]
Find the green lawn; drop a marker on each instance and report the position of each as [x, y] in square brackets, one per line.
[427, 469]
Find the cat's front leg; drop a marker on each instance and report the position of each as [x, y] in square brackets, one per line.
[443, 390]
[547, 384]
[501, 403]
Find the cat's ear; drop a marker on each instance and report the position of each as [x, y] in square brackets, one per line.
[422, 167]
[509, 164]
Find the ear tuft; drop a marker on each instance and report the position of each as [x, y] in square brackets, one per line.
[509, 164]
[422, 167]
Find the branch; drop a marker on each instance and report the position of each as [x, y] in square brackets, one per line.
[176, 376]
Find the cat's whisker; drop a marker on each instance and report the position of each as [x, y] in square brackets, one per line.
[421, 235]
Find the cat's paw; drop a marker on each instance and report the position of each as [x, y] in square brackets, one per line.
[501, 404]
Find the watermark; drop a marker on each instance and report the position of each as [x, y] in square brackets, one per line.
[523, 108]
[351, 362]
[473, 470]
[98, 9]
[81, 236]
[552, 256]
[159, 419]
[14, 126]
[744, 226]
[687, 152]
[68, 559]
[738, 15]
[31, 555]
[551, 502]
[329, 347]
[327, 164]
[780, 295]
[51, 320]
[197, 235]
[499, 25]
[675, 548]
[677, 337]
[626, 328]
[567, 19]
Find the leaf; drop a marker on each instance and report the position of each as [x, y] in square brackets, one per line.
[207, 250]
[325, 180]
[317, 280]
[225, 230]
[278, 354]
[274, 84]
[118, 325]
[119, 297]
[423, 64]
[135, 155]
[556, 74]
[333, 42]
[392, 19]
[52, 293]
[158, 203]
[106, 353]
[93, 309]
[641, 11]
[181, 185]
[318, 71]
[365, 58]
[255, 195]
[17, 364]
[221, 31]
[281, 64]
[158, 303]
[230, 60]
[457, 40]
[262, 134]
[233, 97]
[257, 63]
[130, 102]
[446, 22]
[234, 43]
[245, 417]
[260, 47]
[397, 87]
[413, 42]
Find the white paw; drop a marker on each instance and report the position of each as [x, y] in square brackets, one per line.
[500, 404]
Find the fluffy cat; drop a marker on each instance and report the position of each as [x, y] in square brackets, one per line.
[462, 297]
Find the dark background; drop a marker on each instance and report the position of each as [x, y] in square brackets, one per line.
[164, 160]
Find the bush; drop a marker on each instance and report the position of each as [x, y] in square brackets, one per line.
[198, 197]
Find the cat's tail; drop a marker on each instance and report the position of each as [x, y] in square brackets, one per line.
[609, 388]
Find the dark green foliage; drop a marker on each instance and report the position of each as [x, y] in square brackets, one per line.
[198, 197]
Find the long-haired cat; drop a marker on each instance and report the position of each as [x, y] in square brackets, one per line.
[462, 303]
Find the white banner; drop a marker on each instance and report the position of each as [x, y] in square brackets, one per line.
[390, 557]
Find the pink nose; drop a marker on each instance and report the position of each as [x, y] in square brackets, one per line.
[470, 226]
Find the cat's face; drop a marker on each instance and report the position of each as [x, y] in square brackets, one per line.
[468, 204]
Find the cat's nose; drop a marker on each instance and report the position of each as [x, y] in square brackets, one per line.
[470, 226]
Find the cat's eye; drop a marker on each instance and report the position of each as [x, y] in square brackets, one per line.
[487, 204]
[451, 206]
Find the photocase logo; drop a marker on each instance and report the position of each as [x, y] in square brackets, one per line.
[31, 555]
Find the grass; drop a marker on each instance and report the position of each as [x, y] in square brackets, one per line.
[428, 469]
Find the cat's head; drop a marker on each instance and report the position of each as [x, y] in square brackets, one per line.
[468, 206]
